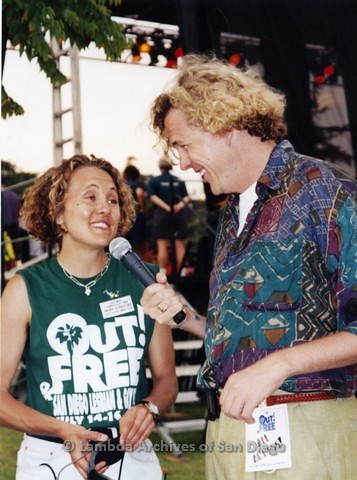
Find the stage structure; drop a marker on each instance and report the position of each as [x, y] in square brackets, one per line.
[306, 49]
[321, 109]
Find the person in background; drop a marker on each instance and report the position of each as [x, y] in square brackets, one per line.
[83, 336]
[10, 222]
[281, 326]
[137, 235]
[214, 205]
[169, 196]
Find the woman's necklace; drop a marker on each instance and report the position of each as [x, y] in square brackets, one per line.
[89, 285]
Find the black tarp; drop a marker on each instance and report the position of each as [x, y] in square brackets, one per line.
[284, 28]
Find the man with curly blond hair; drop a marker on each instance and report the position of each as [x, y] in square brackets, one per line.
[280, 331]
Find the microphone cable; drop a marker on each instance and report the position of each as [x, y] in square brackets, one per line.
[56, 477]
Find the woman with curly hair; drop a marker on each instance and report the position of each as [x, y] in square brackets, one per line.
[77, 322]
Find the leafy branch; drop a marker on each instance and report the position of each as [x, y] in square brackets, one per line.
[30, 24]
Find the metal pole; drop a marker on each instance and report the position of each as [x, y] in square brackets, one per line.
[76, 99]
[57, 109]
[58, 112]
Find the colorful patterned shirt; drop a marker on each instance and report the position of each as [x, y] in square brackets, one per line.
[290, 276]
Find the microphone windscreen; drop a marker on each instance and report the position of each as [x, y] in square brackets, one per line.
[118, 247]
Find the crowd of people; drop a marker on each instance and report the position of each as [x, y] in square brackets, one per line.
[168, 227]
[138, 234]
[13, 248]
[280, 331]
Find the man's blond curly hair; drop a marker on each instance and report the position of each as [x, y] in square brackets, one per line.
[218, 97]
[44, 201]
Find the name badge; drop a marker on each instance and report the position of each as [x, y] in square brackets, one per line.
[268, 444]
[117, 306]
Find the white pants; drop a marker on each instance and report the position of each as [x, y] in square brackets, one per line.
[143, 463]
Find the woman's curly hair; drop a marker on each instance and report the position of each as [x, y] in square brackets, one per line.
[45, 200]
[217, 97]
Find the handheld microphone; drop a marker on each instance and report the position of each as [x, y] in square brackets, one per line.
[121, 249]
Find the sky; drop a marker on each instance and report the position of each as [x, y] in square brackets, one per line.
[115, 104]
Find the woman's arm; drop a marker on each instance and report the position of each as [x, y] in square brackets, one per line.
[15, 320]
[161, 358]
[138, 423]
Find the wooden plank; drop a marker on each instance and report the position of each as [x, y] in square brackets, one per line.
[187, 397]
[180, 426]
[188, 345]
[181, 371]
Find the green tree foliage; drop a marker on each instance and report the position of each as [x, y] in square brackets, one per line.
[30, 24]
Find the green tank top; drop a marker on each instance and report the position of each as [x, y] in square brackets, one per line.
[85, 355]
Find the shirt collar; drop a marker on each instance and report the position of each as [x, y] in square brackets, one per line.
[277, 164]
[271, 175]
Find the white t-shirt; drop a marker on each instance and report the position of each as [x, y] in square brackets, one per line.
[246, 202]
